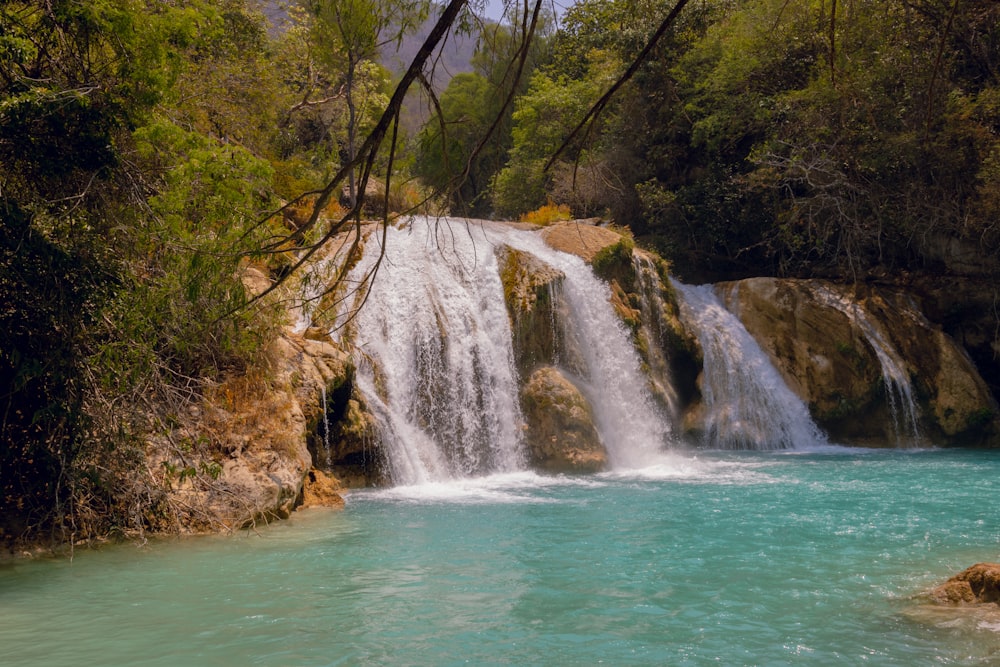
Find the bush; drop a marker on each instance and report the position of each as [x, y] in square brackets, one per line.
[548, 214]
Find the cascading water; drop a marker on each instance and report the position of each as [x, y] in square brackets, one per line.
[436, 359]
[632, 427]
[898, 388]
[747, 403]
[326, 427]
[441, 375]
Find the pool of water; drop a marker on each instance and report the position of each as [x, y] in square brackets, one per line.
[733, 559]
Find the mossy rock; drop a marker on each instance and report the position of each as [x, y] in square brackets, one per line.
[560, 434]
[531, 289]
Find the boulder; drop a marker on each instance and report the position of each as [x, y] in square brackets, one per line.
[560, 434]
[979, 584]
[321, 490]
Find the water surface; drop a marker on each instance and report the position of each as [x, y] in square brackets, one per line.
[736, 558]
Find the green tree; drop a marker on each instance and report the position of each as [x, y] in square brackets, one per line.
[349, 36]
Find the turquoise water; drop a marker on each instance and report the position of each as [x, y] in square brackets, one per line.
[756, 559]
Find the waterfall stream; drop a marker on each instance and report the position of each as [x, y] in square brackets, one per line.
[747, 404]
[436, 360]
[440, 373]
[633, 428]
[895, 377]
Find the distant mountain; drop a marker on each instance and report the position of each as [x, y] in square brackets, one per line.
[455, 55]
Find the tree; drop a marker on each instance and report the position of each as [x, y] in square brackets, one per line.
[349, 35]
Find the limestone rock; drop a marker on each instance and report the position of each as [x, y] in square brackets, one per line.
[561, 436]
[579, 238]
[826, 358]
[242, 457]
[255, 280]
[821, 356]
[321, 490]
[956, 403]
[966, 309]
[979, 584]
[531, 291]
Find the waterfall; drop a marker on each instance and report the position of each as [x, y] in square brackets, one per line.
[747, 404]
[435, 358]
[633, 428]
[441, 378]
[895, 378]
[326, 428]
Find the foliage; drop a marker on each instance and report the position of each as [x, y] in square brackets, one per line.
[454, 155]
[122, 241]
[547, 214]
[550, 106]
[779, 137]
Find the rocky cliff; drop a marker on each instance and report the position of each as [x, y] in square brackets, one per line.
[832, 343]
[241, 457]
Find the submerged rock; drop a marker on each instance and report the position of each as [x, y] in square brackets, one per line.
[560, 435]
[979, 584]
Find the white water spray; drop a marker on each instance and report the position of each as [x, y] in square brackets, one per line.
[746, 401]
[441, 381]
[633, 428]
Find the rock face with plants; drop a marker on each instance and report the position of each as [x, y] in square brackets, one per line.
[241, 457]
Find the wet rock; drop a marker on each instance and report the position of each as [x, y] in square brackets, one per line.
[829, 360]
[820, 354]
[560, 434]
[531, 291]
[979, 584]
[321, 490]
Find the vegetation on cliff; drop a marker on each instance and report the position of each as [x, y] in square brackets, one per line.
[142, 146]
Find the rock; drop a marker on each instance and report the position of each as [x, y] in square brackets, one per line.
[256, 280]
[321, 490]
[560, 434]
[531, 290]
[579, 238]
[241, 459]
[956, 403]
[979, 584]
[822, 357]
[827, 359]
[966, 308]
